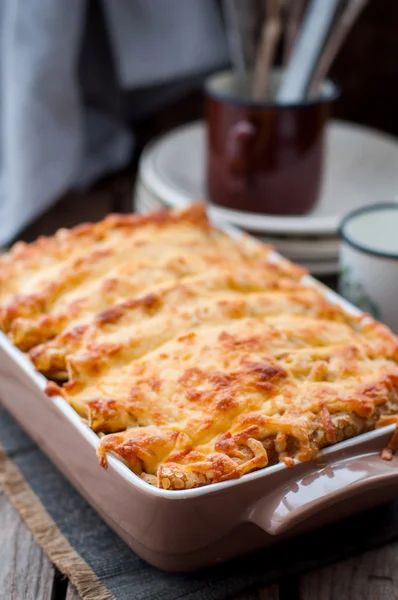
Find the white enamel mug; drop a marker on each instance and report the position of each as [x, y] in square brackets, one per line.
[369, 261]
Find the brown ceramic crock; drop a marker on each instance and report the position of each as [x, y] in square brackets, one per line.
[264, 157]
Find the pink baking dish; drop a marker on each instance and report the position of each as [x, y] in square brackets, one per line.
[191, 529]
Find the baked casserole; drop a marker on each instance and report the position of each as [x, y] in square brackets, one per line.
[196, 358]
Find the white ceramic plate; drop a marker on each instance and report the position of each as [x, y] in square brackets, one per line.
[320, 268]
[361, 169]
[297, 248]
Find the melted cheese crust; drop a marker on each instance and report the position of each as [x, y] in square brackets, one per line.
[194, 357]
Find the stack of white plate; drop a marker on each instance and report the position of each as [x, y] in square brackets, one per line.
[361, 168]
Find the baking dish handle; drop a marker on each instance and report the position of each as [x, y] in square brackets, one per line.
[301, 498]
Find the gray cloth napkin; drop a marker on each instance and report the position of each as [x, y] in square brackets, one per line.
[51, 140]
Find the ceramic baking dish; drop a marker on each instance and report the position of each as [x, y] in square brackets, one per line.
[186, 530]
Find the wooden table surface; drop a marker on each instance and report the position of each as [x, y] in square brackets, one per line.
[27, 574]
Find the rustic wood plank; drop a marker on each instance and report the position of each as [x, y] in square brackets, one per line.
[269, 593]
[248, 596]
[373, 575]
[72, 593]
[25, 571]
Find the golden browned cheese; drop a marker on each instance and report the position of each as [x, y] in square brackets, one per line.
[196, 358]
